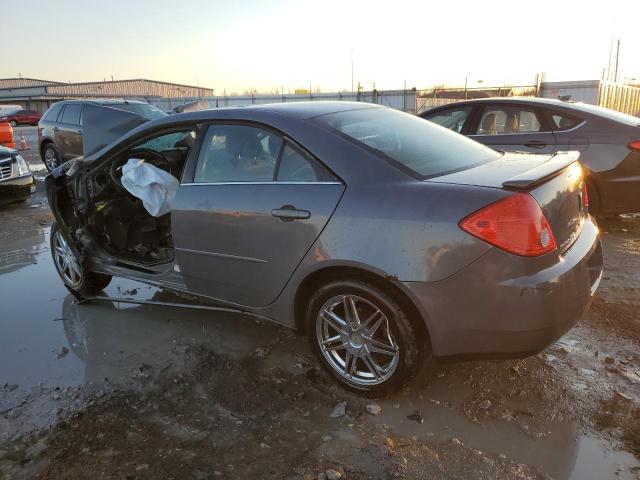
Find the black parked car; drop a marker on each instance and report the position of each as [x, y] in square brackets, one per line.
[60, 129]
[609, 141]
[16, 179]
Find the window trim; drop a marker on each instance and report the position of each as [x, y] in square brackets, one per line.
[188, 176]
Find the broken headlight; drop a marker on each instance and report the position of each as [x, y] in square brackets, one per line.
[23, 168]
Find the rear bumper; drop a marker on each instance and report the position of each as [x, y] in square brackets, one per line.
[16, 189]
[506, 306]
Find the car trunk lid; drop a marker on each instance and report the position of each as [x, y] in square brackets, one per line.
[554, 181]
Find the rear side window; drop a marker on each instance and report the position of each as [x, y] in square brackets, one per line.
[452, 119]
[422, 147]
[52, 114]
[296, 166]
[563, 122]
[71, 114]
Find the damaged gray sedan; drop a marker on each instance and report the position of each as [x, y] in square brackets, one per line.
[384, 238]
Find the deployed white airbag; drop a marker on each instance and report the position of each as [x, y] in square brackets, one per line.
[155, 187]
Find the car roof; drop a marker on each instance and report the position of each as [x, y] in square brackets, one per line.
[299, 110]
[523, 100]
[577, 108]
[101, 101]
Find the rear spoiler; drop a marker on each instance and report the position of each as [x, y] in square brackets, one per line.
[543, 172]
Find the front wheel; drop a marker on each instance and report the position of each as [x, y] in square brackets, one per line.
[71, 270]
[13, 123]
[363, 337]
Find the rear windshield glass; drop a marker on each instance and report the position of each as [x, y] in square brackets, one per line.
[607, 113]
[143, 109]
[423, 147]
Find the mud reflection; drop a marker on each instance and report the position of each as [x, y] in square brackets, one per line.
[20, 250]
[117, 341]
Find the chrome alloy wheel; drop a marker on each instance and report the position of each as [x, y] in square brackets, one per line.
[66, 261]
[354, 337]
[50, 159]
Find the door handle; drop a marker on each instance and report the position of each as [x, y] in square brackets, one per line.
[535, 144]
[289, 213]
[55, 129]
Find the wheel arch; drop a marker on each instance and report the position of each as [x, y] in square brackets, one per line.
[388, 283]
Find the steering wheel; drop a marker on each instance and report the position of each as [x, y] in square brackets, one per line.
[154, 157]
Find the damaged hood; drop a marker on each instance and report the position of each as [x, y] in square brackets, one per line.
[103, 125]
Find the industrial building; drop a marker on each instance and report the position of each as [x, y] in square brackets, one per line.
[38, 94]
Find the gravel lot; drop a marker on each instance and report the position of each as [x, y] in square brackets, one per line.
[114, 391]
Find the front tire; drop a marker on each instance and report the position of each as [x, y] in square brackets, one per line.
[363, 337]
[13, 124]
[72, 271]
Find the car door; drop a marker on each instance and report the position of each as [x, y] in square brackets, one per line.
[68, 132]
[21, 117]
[33, 117]
[250, 206]
[512, 127]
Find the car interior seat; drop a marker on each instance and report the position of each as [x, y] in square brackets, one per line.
[488, 126]
[512, 123]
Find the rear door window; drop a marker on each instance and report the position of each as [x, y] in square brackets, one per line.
[453, 119]
[411, 143]
[52, 113]
[237, 153]
[507, 120]
[71, 114]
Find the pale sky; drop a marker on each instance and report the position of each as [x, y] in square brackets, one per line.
[243, 44]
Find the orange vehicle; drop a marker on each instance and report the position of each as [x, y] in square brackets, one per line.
[6, 136]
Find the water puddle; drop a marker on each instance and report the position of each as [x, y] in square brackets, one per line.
[432, 412]
[50, 340]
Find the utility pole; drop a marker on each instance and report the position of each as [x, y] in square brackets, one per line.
[615, 76]
[465, 87]
[351, 70]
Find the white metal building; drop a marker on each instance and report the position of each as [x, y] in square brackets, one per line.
[623, 98]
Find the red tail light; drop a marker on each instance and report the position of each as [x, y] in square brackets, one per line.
[585, 195]
[515, 224]
[635, 145]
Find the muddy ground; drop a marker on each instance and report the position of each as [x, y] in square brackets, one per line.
[111, 391]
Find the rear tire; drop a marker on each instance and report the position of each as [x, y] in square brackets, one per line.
[72, 271]
[376, 351]
[50, 157]
[595, 204]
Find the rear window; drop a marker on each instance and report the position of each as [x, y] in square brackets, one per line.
[426, 149]
[143, 109]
